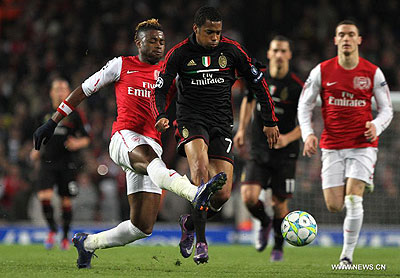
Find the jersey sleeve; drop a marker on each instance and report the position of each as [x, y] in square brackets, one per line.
[383, 101]
[158, 100]
[307, 101]
[257, 84]
[108, 74]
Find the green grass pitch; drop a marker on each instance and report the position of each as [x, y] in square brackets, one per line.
[165, 261]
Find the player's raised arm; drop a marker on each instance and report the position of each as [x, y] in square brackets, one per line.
[108, 74]
[158, 101]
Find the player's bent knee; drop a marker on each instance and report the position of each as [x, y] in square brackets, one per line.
[249, 201]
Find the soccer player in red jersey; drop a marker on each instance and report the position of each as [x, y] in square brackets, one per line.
[349, 140]
[135, 144]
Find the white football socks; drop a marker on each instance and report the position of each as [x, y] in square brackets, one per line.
[171, 180]
[121, 235]
[352, 224]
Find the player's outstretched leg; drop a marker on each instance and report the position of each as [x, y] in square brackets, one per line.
[84, 257]
[201, 253]
[205, 191]
[187, 238]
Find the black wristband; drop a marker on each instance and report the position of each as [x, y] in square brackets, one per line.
[270, 123]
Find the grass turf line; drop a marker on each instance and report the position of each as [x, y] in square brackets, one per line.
[165, 261]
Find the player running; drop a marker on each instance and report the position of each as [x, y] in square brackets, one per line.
[135, 144]
[59, 165]
[349, 140]
[274, 168]
[206, 63]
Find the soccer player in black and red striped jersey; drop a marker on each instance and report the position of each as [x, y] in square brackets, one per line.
[206, 63]
[59, 165]
[272, 168]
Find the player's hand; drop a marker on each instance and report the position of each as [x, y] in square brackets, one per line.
[72, 143]
[310, 145]
[34, 155]
[370, 134]
[44, 133]
[272, 133]
[238, 140]
[162, 124]
[283, 141]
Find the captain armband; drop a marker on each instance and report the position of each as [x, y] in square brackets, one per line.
[65, 108]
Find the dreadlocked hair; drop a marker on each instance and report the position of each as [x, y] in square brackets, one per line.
[150, 24]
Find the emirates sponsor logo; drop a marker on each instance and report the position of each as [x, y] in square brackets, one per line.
[347, 99]
[208, 78]
[142, 92]
[361, 83]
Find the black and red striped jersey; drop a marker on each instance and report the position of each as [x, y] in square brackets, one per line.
[286, 93]
[205, 80]
[55, 151]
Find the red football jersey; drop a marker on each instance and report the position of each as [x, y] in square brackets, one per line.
[346, 103]
[134, 83]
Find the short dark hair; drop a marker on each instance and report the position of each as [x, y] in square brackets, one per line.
[282, 38]
[58, 79]
[348, 22]
[150, 24]
[204, 13]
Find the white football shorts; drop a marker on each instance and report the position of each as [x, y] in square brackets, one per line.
[123, 142]
[338, 165]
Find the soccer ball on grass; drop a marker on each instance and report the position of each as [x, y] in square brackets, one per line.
[299, 228]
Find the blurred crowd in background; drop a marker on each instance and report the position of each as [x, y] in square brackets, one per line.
[41, 40]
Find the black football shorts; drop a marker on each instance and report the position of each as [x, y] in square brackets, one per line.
[277, 174]
[218, 139]
[61, 176]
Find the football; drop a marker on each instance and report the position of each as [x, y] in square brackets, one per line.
[299, 228]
